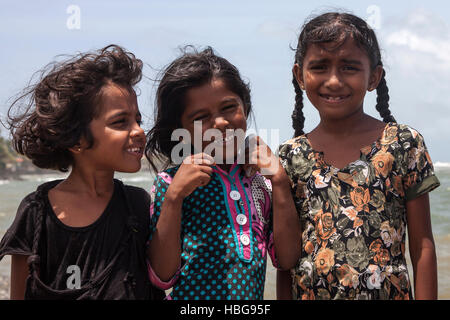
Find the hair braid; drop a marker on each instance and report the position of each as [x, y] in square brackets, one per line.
[298, 119]
[383, 100]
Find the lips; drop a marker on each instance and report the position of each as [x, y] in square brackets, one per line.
[136, 150]
[333, 98]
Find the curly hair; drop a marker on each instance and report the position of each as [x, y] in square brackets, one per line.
[337, 27]
[191, 69]
[54, 114]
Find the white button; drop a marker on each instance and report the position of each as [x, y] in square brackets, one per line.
[235, 195]
[245, 239]
[241, 219]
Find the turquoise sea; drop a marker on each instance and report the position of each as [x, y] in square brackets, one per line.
[12, 192]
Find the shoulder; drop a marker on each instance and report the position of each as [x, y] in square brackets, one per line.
[37, 198]
[293, 146]
[404, 135]
[31, 210]
[297, 158]
[136, 193]
[138, 201]
[166, 175]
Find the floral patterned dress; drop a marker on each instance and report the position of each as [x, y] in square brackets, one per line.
[354, 218]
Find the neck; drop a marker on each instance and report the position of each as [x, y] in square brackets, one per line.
[94, 183]
[344, 127]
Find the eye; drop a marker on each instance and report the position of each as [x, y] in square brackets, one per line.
[200, 117]
[318, 67]
[119, 121]
[229, 107]
[350, 68]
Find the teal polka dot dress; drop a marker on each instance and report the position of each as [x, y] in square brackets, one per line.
[226, 232]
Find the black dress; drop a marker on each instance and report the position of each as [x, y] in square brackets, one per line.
[105, 260]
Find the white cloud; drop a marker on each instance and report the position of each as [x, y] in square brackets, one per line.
[439, 49]
[421, 41]
[416, 54]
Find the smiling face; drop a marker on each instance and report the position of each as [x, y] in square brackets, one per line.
[217, 108]
[118, 138]
[336, 78]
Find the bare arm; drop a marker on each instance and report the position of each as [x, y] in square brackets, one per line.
[286, 224]
[421, 248]
[284, 284]
[164, 251]
[19, 274]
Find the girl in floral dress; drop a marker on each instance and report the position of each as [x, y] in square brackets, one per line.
[358, 183]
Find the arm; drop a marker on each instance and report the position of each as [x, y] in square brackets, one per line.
[286, 224]
[19, 274]
[284, 284]
[164, 249]
[421, 248]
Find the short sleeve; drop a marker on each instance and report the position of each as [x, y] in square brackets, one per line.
[266, 191]
[298, 168]
[18, 239]
[419, 178]
[157, 193]
[140, 203]
[271, 243]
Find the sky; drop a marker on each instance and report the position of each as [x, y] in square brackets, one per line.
[257, 36]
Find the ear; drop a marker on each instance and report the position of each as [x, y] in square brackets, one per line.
[76, 149]
[298, 74]
[375, 78]
[79, 147]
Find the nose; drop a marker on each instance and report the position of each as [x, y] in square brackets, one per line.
[334, 81]
[137, 131]
[220, 123]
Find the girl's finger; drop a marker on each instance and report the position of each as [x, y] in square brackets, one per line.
[206, 169]
[204, 179]
[204, 158]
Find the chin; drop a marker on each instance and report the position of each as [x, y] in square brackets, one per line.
[130, 169]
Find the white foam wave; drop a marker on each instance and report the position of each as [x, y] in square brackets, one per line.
[439, 164]
[138, 179]
[2, 182]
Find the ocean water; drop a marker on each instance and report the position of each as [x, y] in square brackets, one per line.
[12, 192]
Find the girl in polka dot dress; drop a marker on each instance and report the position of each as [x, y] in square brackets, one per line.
[213, 219]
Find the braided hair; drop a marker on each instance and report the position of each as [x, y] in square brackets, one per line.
[337, 27]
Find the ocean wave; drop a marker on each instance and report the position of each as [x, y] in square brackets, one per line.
[2, 182]
[442, 164]
[137, 179]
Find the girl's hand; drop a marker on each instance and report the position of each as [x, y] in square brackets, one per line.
[195, 171]
[260, 158]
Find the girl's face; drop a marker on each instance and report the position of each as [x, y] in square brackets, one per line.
[119, 140]
[336, 79]
[217, 108]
